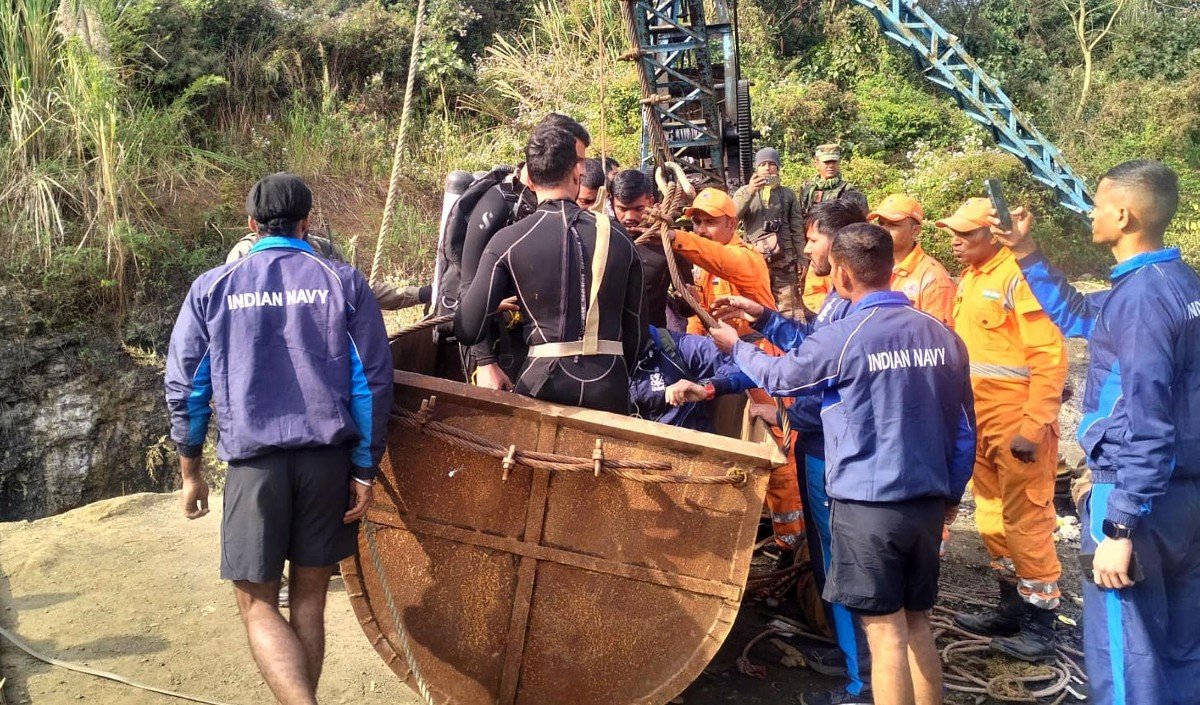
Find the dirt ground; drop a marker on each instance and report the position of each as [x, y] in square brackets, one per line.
[128, 585]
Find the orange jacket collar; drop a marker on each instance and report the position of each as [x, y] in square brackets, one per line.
[1004, 256]
[908, 265]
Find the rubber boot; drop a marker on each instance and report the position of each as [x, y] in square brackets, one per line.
[1005, 620]
[1035, 642]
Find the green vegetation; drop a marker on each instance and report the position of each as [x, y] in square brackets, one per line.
[133, 128]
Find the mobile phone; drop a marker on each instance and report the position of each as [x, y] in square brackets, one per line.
[773, 180]
[1135, 568]
[996, 195]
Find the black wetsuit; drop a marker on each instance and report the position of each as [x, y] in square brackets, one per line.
[656, 279]
[546, 261]
[502, 343]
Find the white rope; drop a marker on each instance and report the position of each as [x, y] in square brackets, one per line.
[101, 674]
[394, 183]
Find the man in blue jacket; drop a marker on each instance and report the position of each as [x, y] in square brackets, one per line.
[849, 658]
[898, 418]
[1141, 435]
[672, 363]
[292, 349]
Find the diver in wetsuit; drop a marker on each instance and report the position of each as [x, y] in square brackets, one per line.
[500, 354]
[578, 283]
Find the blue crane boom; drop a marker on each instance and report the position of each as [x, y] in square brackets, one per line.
[942, 59]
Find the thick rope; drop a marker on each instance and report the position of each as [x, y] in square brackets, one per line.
[659, 221]
[603, 55]
[67, 665]
[394, 184]
[424, 324]
[962, 672]
[649, 472]
[410, 658]
[658, 138]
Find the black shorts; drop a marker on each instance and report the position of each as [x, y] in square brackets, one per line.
[885, 555]
[286, 505]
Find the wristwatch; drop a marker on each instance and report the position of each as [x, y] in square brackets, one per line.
[710, 390]
[1114, 530]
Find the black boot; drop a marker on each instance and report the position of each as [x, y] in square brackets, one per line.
[1005, 620]
[1035, 642]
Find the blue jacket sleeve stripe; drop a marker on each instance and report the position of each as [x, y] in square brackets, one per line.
[198, 409]
[361, 409]
[1070, 310]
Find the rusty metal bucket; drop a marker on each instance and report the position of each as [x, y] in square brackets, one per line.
[550, 586]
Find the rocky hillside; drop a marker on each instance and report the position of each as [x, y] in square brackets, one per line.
[81, 419]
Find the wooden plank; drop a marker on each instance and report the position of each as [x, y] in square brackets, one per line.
[535, 519]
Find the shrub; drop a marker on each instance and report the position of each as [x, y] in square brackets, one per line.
[795, 117]
[942, 180]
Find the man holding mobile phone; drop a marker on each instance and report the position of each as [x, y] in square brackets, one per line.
[774, 227]
[1141, 435]
[1018, 369]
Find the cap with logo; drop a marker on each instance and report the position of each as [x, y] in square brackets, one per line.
[714, 202]
[278, 199]
[829, 153]
[970, 216]
[896, 208]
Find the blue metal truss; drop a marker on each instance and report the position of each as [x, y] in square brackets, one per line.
[943, 60]
[677, 47]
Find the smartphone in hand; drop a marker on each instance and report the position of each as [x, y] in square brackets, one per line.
[1136, 574]
[996, 194]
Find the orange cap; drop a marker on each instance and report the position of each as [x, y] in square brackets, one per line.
[713, 201]
[972, 215]
[896, 208]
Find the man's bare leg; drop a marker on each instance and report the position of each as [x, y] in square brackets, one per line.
[891, 680]
[309, 586]
[279, 654]
[924, 662]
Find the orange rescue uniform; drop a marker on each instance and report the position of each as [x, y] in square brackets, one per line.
[926, 284]
[816, 290]
[736, 269]
[729, 270]
[1018, 369]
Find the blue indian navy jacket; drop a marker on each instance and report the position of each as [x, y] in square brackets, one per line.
[1141, 423]
[293, 350]
[786, 334]
[669, 357]
[896, 403]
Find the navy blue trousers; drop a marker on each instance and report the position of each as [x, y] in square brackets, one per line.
[1142, 644]
[847, 629]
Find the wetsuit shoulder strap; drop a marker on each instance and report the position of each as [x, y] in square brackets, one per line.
[591, 326]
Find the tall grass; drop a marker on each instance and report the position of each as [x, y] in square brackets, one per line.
[82, 159]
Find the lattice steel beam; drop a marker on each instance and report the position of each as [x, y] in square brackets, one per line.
[949, 66]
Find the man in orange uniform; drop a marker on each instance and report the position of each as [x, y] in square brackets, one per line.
[1018, 368]
[922, 278]
[733, 268]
